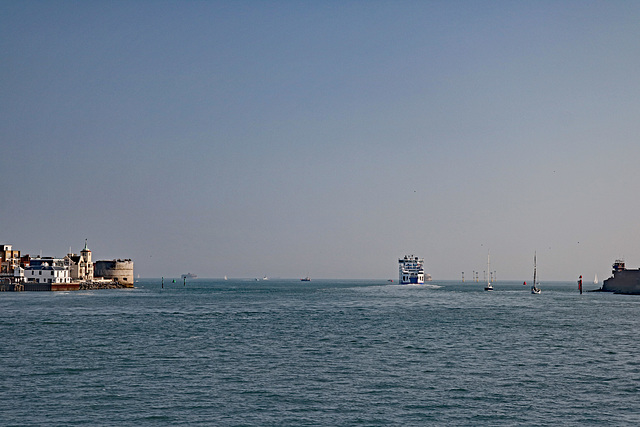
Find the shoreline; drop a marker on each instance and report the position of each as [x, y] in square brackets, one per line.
[56, 287]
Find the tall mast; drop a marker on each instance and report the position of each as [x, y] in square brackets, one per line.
[534, 269]
[488, 269]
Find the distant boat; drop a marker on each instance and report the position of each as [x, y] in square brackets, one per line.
[306, 279]
[225, 277]
[489, 286]
[189, 276]
[595, 279]
[534, 289]
[265, 278]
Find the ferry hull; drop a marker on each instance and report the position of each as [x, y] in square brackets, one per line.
[412, 281]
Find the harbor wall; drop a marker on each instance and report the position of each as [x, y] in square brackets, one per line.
[37, 287]
[119, 270]
[65, 286]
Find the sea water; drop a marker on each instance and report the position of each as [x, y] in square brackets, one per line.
[326, 352]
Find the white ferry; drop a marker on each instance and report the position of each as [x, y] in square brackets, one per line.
[411, 270]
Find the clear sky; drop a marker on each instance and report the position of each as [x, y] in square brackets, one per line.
[328, 138]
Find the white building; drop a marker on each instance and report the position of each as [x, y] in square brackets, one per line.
[44, 273]
[18, 274]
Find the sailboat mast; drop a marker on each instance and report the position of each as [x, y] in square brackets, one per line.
[534, 269]
[488, 270]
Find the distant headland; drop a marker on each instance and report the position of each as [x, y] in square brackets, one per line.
[70, 273]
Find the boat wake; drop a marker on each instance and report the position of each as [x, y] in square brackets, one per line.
[418, 285]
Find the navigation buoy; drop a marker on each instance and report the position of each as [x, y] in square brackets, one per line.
[580, 284]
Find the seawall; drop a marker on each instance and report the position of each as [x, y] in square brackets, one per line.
[56, 287]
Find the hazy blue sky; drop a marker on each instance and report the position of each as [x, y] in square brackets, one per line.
[325, 138]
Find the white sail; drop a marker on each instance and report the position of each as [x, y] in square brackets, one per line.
[534, 287]
[595, 279]
[489, 286]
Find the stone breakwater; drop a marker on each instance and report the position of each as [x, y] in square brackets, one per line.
[6, 286]
[85, 286]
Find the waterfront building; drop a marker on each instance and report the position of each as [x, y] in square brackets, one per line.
[23, 273]
[9, 259]
[80, 266]
[50, 261]
[18, 274]
[43, 272]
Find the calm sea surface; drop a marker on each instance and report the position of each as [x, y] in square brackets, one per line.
[285, 352]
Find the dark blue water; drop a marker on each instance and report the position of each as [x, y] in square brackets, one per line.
[319, 353]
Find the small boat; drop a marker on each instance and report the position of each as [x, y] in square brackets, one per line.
[489, 286]
[534, 288]
[595, 279]
[189, 276]
[265, 278]
[306, 279]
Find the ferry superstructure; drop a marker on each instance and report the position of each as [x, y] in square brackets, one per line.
[411, 270]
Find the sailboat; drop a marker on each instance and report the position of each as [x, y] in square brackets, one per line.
[595, 279]
[534, 289]
[489, 286]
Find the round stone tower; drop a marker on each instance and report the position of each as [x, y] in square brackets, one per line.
[120, 270]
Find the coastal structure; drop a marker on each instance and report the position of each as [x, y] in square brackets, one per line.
[80, 266]
[118, 270]
[411, 270]
[623, 281]
[9, 260]
[73, 272]
[46, 273]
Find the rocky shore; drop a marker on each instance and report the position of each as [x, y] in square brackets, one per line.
[85, 286]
